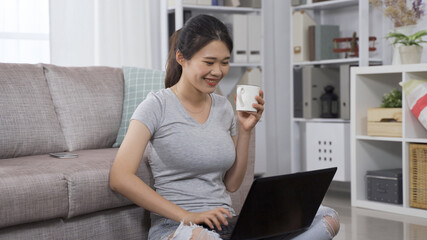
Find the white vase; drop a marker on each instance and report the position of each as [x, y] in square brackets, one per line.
[410, 54]
[407, 30]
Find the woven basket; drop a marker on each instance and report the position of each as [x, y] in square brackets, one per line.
[418, 175]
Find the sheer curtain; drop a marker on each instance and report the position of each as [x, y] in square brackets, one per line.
[105, 32]
[24, 31]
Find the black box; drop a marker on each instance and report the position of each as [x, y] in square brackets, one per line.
[385, 185]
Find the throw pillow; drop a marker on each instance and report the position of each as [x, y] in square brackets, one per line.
[138, 83]
[416, 97]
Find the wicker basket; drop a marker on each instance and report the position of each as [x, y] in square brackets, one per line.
[418, 175]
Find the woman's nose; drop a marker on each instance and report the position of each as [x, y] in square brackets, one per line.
[216, 70]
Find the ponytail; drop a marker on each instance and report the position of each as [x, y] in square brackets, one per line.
[173, 69]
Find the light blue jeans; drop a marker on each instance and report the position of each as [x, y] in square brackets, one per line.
[163, 228]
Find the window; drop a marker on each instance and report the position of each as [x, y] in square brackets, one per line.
[24, 31]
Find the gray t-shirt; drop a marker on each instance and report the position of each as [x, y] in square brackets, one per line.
[189, 159]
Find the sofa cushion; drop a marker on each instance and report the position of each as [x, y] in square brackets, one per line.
[41, 187]
[31, 189]
[88, 181]
[88, 101]
[138, 83]
[28, 122]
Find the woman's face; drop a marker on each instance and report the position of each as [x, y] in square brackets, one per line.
[207, 66]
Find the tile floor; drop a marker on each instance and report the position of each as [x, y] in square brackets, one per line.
[365, 224]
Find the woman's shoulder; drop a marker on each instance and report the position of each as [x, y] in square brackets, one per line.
[158, 96]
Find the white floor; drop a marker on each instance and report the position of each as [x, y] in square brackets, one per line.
[359, 223]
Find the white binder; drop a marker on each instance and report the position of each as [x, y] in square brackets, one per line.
[204, 2]
[240, 38]
[300, 23]
[254, 38]
[345, 91]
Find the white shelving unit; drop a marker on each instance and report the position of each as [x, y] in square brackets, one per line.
[337, 12]
[236, 69]
[368, 85]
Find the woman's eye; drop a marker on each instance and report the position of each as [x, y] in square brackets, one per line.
[225, 63]
[209, 63]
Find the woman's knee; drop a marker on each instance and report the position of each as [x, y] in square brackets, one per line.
[200, 233]
[332, 224]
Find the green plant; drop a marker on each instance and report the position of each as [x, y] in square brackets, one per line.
[392, 99]
[408, 40]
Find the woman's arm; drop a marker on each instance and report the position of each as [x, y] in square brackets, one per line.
[123, 179]
[247, 121]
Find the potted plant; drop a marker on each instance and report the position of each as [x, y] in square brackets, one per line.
[409, 49]
[386, 121]
[404, 14]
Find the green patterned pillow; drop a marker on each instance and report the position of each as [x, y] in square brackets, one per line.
[138, 83]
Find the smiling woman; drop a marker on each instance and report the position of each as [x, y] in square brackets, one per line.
[199, 155]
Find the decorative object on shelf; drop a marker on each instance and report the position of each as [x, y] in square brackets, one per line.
[416, 98]
[409, 48]
[386, 121]
[404, 19]
[351, 45]
[385, 185]
[392, 99]
[329, 103]
[418, 175]
[398, 12]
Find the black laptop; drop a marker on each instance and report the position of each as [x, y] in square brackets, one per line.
[279, 206]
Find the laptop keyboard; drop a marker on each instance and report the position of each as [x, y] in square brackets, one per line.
[226, 231]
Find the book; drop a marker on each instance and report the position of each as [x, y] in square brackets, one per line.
[311, 43]
[323, 41]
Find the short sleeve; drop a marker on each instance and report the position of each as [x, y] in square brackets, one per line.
[230, 112]
[149, 112]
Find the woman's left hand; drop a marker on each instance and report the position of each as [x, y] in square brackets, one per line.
[248, 120]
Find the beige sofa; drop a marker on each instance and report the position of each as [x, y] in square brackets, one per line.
[48, 108]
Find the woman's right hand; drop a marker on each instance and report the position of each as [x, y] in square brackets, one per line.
[212, 217]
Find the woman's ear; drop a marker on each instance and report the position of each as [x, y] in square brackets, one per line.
[179, 57]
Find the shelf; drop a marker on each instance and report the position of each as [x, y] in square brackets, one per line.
[323, 120]
[388, 207]
[416, 140]
[223, 9]
[249, 65]
[371, 138]
[335, 61]
[368, 85]
[332, 4]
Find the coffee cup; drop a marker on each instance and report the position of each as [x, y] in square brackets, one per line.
[246, 97]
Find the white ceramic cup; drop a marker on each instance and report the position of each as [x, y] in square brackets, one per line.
[245, 97]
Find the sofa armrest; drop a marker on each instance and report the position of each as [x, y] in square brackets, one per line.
[238, 197]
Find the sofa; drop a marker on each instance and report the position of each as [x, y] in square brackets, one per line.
[46, 108]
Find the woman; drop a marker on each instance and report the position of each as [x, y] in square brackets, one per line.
[196, 156]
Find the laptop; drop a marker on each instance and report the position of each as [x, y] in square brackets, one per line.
[279, 206]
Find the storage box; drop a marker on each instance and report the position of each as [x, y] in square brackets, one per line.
[328, 145]
[385, 185]
[418, 175]
[385, 122]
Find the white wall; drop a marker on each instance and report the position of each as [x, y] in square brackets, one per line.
[276, 74]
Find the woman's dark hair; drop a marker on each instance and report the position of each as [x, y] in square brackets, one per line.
[199, 31]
